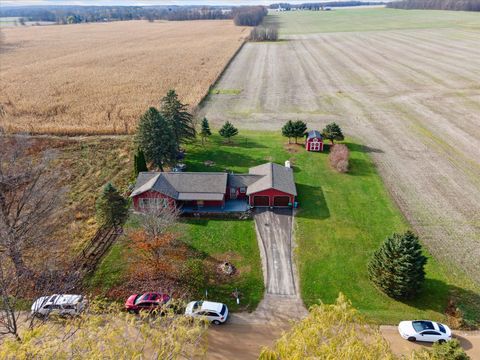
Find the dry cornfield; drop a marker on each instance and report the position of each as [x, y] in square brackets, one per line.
[98, 78]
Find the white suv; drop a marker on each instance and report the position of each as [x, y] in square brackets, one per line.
[216, 313]
[63, 305]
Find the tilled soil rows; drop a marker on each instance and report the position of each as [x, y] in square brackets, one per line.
[411, 96]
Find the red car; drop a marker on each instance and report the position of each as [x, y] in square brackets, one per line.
[148, 302]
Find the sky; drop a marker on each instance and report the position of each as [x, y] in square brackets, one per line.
[151, 2]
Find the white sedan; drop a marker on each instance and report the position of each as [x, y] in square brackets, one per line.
[216, 313]
[424, 330]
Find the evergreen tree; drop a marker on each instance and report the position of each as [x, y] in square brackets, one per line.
[180, 120]
[228, 131]
[112, 208]
[397, 268]
[205, 131]
[333, 132]
[156, 139]
[288, 130]
[299, 129]
[139, 162]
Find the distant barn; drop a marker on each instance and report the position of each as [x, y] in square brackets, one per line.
[314, 141]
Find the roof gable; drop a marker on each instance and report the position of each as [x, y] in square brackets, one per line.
[174, 184]
[275, 176]
[314, 134]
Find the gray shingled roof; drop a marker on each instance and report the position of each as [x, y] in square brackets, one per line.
[212, 186]
[314, 134]
[179, 185]
[242, 180]
[274, 176]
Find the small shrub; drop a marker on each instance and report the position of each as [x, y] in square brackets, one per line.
[451, 350]
[338, 157]
[264, 33]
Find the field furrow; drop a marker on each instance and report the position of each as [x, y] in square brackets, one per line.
[411, 96]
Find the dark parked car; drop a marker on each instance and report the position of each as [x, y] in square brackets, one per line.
[146, 302]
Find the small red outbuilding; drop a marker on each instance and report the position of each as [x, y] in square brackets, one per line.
[314, 141]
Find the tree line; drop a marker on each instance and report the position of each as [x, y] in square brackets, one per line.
[319, 6]
[458, 5]
[249, 15]
[243, 16]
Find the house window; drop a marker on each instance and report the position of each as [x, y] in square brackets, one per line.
[152, 203]
[243, 190]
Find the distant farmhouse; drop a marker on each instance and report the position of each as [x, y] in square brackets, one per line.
[267, 185]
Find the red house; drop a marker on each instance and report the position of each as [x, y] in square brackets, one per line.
[269, 185]
[314, 141]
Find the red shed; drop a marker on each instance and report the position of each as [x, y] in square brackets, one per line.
[314, 141]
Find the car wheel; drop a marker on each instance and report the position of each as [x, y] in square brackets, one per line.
[216, 322]
[441, 341]
[412, 339]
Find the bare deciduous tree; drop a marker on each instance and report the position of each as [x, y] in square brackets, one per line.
[29, 199]
[8, 295]
[157, 221]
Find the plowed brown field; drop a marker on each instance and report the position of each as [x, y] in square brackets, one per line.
[411, 95]
[98, 78]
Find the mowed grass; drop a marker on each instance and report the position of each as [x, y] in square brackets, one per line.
[371, 19]
[341, 220]
[233, 241]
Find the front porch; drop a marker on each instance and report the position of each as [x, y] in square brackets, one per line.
[230, 206]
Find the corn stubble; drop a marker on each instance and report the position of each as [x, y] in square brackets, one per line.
[99, 78]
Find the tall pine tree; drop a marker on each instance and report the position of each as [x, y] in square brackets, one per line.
[139, 162]
[397, 268]
[180, 120]
[288, 130]
[156, 139]
[205, 130]
[112, 208]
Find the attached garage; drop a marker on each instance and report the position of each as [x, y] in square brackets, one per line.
[273, 186]
[281, 201]
[261, 201]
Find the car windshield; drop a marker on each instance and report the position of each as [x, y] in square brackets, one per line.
[224, 308]
[197, 305]
[420, 326]
[442, 328]
[138, 299]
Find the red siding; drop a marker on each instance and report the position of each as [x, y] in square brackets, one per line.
[240, 195]
[150, 195]
[271, 193]
[309, 141]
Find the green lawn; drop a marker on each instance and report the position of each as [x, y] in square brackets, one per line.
[341, 220]
[234, 241]
[371, 19]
